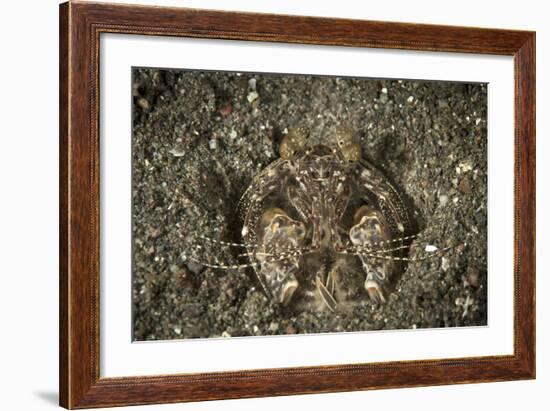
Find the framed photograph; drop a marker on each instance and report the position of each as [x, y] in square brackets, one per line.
[257, 205]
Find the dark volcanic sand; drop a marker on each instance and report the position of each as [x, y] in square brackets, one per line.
[199, 139]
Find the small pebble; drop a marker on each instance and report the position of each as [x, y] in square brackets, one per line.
[469, 301]
[154, 232]
[252, 96]
[184, 278]
[465, 166]
[472, 277]
[177, 153]
[226, 110]
[290, 330]
[144, 104]
[445, 264]
[464, 186]
[252, 84]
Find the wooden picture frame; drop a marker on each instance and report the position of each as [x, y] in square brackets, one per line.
[80, 27]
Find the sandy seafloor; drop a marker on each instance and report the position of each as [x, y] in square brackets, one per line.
[199, 138]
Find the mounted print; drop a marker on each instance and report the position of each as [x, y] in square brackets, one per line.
[258, 205]
[267, 204]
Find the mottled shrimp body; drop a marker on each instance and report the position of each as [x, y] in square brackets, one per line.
[371, 228]
[322, 228]
[324, 224]
[279, 233]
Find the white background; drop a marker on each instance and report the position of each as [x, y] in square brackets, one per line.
[29, 219]
[119, 357]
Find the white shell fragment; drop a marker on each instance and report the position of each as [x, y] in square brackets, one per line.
[430, 248]
[464, 166]
[177, 153]
[253, 95]
[252, 84]
[445, 264]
